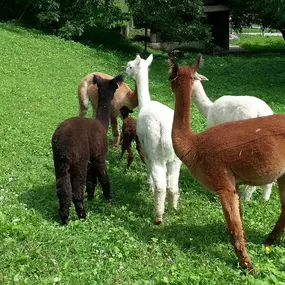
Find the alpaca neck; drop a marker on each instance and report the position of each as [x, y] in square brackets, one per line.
[182, 134]
[103, 113]
[203, 102]
[141, 79]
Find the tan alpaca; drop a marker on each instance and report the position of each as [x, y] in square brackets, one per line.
[250, 152]
[124, 96]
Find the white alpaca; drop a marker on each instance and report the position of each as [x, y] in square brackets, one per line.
[154, 126]
[228, 109]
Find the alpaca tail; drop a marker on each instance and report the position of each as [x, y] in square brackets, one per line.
[63, 186]
[166, 140]
[83, 98]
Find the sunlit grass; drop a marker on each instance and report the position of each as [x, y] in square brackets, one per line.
[261, 43]
[118, 244]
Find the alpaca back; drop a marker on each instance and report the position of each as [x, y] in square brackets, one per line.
[235, 108]
[88, 92]
[75, 143]
[154, 125]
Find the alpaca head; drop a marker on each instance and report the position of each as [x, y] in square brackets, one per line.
[138, 64]
[125, 111]
[182, 76]
[197, 83]
[107, 87]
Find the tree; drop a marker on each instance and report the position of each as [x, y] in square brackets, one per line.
[66, 17]
[177, 20]
[267, 13]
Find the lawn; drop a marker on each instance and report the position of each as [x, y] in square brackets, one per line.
[118, 243]
[259, 43]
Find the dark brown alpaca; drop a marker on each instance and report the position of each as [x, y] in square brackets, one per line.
[129, 135]
[80, 145]
[250, 152]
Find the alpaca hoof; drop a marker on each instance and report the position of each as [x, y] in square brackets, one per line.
[268, 242]
[115, 147]
[82, 216]
[158, 222]
[265, 198]
[109, 199]
[151, 189]
[64, 221]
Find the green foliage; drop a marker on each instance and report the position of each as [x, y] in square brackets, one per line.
[178, 20]
[267, 13]
[118, 243]
[67, 18]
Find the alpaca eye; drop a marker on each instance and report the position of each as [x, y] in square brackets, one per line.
[130, 67]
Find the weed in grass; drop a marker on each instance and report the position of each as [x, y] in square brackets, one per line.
[118, 244]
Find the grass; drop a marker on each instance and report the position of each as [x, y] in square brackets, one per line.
[118, 244]
[259, 43]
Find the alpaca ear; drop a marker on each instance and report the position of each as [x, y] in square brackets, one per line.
[138, 60]
[149, 60]
[173, 67]
[119, 79]
[96, 79]
[198, 76]
[198, 63]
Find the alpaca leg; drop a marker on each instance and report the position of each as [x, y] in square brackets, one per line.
[83, 110]
[149, 178]
[78, 182]
[127, 145]
[279, 227]
[130, 156]
[91, 182]
[116, 132]
[123, 151]
[83, 105]
[158, 174]
[139, 149]
[104, 180]
[248, 191]
[266, 191]
[64, 194]
[173, 171]
[229, 199]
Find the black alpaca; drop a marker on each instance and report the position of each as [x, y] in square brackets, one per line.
[80, 147]
[128, 135]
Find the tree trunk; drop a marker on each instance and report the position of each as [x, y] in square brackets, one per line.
[145, 40]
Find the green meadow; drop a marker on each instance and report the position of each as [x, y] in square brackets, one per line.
[118, 243]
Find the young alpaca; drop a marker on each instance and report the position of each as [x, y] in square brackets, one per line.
[124, 96]
[79, 144]
[249, 151]
[154, 125]
[229, 109]
[129, 135]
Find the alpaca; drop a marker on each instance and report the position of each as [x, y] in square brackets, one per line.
[80, 145]
[154, 131]
[249, 151]
[129, 135]
[124, 96]
[229, 109]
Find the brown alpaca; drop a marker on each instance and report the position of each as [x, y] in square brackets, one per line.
[129, 135]
[80, 147]
[124, 96]
[250, 152]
